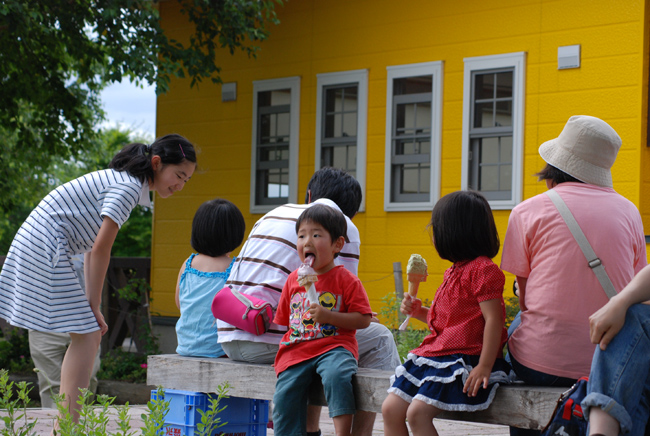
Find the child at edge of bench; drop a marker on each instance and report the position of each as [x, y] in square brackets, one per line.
[217, 229]
[321, 337]
[460, 364]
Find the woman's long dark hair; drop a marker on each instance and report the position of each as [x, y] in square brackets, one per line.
[135, 158]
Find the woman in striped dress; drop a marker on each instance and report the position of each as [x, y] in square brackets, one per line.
[38, 286]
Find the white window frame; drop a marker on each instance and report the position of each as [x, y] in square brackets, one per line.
[508, 60]
[359, 77]
[292, 83]
[434, 69]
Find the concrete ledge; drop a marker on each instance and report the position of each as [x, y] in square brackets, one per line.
[516, 405]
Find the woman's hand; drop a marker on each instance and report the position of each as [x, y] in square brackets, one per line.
[605, 323]
[479, 376]
[410, 305]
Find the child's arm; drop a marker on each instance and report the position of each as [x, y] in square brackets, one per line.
[344, 320]
[605, 323]
[97, 261]
[413, 306]
[178, 285]
[480, 375]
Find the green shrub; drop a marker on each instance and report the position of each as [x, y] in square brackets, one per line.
[93, 415]
[14, 352]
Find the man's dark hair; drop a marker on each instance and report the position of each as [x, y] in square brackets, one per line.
[463, 227]
[332, 220]
[338, 186]
[218, 228]
[556, 175]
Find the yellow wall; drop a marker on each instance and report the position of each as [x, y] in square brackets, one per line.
[321, 36]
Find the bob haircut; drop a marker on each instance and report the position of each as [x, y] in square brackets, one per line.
[556, 175]
[463, 227]
[332, 220]
[218, 228]
[338, 186]
[135, 158]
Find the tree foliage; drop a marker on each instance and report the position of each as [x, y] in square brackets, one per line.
[57, 55]
[133, 239]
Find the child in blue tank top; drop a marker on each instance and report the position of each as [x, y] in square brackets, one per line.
[217, 229]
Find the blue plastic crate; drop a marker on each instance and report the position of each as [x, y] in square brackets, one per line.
[244, 416]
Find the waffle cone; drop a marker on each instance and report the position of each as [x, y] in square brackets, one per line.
[413, 288]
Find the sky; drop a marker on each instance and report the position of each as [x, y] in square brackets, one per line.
[128, 106]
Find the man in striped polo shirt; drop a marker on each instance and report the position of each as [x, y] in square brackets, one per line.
[268, 257]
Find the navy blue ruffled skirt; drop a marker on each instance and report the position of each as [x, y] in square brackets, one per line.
[439, 381]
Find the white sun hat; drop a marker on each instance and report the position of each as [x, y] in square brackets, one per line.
[586, 150]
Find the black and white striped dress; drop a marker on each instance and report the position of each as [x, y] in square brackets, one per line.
[38, 286]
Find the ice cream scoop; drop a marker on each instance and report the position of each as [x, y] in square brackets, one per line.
[416, 273]
[307, 277]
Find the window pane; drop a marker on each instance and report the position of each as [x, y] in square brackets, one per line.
[412, 85]
[274, 98]
[504, 113]
[343, 157]
[340, 116]
[504, 85]
[506, 148]
[505, 178]
[274, 128]
[278, 183]
[484, 86]
[483, 115]
[490, 151]
[349, 124]
[489, 178]
[414, 178]
[412, 147]
[268, 154]
[413, 118]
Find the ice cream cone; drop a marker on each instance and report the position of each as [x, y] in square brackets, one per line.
[416, 273]
[414, 282]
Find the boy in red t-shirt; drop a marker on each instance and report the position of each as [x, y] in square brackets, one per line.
[321, 337]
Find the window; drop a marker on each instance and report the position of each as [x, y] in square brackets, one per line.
[413, 119]
[493, 127]
[341, 122]
[275, 143]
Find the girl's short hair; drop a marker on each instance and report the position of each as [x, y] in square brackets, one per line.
[217, 228]
[331, 219]
[463, 227]
[135, 158]
[556, 175]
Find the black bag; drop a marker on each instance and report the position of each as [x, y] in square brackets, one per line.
[568, 419]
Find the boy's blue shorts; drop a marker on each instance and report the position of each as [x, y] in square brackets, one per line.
[335, 368]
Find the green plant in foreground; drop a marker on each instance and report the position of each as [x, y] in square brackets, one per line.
[210, 420]
[404, 340]
[94, 414]
[15, 410]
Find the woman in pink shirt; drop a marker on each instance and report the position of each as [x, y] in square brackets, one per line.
[558, 291]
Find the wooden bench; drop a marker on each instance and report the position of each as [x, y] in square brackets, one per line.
[516, 405]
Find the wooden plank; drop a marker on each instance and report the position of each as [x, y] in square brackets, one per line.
[516, 405]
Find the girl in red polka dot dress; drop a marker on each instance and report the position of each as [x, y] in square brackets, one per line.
[460, 364]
